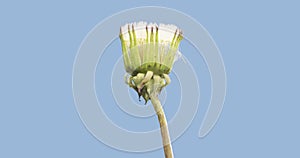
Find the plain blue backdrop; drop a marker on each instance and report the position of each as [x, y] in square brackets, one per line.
[259, 42]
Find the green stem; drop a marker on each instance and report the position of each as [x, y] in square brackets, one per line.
[163, 126]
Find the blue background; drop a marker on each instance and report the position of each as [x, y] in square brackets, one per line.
[259, 42]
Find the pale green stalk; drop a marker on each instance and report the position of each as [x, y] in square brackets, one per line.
[163, 125]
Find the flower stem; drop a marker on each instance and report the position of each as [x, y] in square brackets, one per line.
[163, 126]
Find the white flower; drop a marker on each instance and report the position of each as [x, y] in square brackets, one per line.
[149, 47]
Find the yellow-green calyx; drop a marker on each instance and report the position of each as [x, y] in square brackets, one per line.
[149, 51]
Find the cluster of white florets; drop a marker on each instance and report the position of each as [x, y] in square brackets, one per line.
[166, 33]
